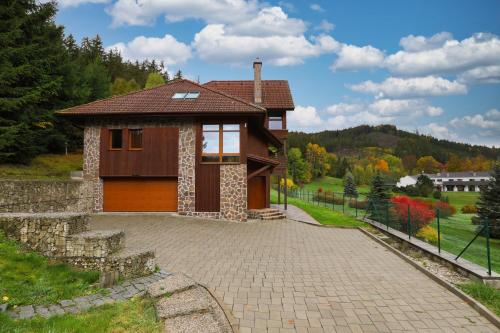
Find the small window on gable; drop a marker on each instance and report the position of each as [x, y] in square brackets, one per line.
[275, 123]
[135, 139]
[115, 139]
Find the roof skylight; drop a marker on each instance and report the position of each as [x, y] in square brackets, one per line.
[186, 95]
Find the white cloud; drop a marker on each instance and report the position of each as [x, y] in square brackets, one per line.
[482, 49]
[488, 121]
[145, 12]
[420, 43]
[404, 107]
[393, 87]
[271, 21]
[479, 75]
[214, 44]
[439, 131]
[344, 108]
[74, 3]
[317, 8]
[351, 57]
[325, 26]
[305, 119]
[166, 49]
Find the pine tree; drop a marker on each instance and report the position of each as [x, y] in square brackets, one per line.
[32, 55]
[379, 198]
[488, 205]
[350, 187]
[178, 75]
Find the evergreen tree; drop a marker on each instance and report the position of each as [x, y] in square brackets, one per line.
[178, 75]
[424, 185]
[350, 187]
[488, 205]
[32, 54]
[379, 198]
[154, 79]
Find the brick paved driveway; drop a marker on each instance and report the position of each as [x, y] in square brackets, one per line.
[285, 276]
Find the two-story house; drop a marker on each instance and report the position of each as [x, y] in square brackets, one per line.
[199, 150]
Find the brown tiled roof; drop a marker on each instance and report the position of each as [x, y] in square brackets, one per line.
[159, 100]
[275, 93]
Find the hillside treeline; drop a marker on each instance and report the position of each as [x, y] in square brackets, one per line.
[42, 70]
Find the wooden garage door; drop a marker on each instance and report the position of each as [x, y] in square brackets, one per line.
[140, 195]
[257, 193]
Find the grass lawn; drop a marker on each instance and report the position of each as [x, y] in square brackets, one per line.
[29, 278]
[457, 199]
[487, 295]
[322, 214]
[332, 184]
[136, 315]
[44, 167]
[457, 231]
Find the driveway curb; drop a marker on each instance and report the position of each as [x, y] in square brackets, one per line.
[481, 309]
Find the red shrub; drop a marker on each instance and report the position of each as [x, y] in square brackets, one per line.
[445, 209]
[320, 190]
[420, 213]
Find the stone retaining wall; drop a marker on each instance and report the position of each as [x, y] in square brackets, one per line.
[42, 196]
[44, 233]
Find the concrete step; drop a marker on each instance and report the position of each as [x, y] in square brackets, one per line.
[266, 214]
[171, 284]
[98, 243]
[184, 303]
[131, 263]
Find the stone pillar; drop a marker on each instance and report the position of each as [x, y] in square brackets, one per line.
[186, 180]
[92, 185]
[455, 188]
[233, 191]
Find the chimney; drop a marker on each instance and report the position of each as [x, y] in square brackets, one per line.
[257, 81]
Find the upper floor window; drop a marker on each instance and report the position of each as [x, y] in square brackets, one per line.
[221, 143]
[115, 139]
[275, 123]
[135, 139]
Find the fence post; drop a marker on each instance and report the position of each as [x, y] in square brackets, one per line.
[439, 231]
[325, 199]
[409, 223]
[488, 245]
[333, 201]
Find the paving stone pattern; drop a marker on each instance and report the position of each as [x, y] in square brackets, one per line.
[285, 276]
[121, 292]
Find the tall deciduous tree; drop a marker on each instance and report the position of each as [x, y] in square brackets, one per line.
[297, 167]
[428, 164]
[154, 80]
[317, 158]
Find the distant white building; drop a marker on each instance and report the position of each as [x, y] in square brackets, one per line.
[469, 181]
[407, 181]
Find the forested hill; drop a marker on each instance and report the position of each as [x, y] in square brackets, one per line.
[401, 143]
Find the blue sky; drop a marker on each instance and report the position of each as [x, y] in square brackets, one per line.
[418, 64]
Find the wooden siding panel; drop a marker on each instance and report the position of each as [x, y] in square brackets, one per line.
[158, 157]
[207, 180]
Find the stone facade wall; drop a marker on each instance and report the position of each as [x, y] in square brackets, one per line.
[93, 185]
[40, 196]
[186, 180]
[233, 191]
[233, 177]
